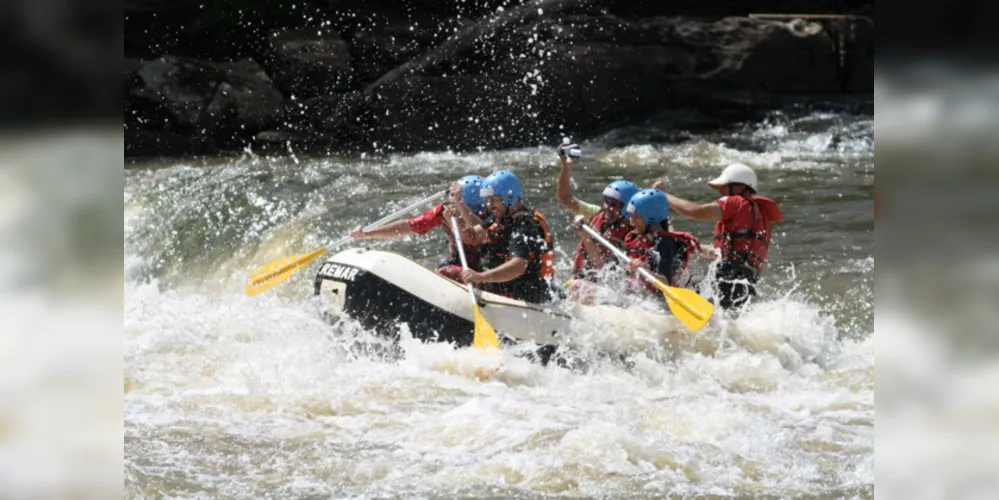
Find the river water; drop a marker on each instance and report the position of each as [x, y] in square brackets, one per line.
[236, 396]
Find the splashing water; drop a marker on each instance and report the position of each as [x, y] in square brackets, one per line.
[228, 395]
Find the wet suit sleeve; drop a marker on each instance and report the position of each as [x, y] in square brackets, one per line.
[666, 251]
[422, 224]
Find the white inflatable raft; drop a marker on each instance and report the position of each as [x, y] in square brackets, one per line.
[383, 290]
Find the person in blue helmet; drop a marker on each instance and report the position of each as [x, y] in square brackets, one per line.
[517, 251]
[653, 246]
[607, 220]
[590, 257]
[467, 189]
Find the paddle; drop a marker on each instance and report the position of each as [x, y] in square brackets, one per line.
[691, 309]
[485, 336]
[281, 269]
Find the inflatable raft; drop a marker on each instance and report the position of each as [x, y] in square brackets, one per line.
[382, 290]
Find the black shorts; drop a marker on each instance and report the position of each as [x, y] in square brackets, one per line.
[735, 284]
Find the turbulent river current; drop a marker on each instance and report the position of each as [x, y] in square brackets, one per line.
[228, 395]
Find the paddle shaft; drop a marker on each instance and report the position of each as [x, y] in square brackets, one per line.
[388, 218]
[461, 253]
[623, 257]
[276, 272]
[484, 336]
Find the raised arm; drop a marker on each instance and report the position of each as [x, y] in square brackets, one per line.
[689, 209]
[563, 189]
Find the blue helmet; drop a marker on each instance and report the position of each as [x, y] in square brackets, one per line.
[470, 186]
[502, 183]
[621, 191]
[651, 204]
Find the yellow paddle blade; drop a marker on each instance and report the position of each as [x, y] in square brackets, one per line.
[485, 336]
[279, 270]
[691, 309]
[252, 289]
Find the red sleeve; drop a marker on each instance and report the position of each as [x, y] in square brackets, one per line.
[422, 224]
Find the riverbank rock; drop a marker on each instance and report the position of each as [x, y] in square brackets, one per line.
[225, 102]
[306, 63]
[513, 77]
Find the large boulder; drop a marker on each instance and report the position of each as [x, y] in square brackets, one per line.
[140, 142]
[586, 73]
[351, 75]
[379, 50]
[461, 112]
[229, 102]
[309, 62]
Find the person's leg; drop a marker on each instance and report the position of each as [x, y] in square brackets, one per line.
[735, 294]
[734, 286]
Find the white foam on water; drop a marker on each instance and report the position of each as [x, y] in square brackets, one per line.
[230, 395]
[207, 375]
[59, 421]
[938, 414]
[696, 153]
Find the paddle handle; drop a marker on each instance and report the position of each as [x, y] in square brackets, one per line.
[642, 271]
[461, 253]
[388, 218]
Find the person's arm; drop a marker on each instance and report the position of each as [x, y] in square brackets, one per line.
[421, 224]
[507, 271]
[473, 225]
[707, 253]
[696, 211]
[594, 255]
[704, 252]
[390, 230]
[524, 240]
[563, 189]
[666, 248]
[468, 236]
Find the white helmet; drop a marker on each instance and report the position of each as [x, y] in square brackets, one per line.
[735, 173]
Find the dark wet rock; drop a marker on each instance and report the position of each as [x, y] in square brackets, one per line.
[227, 102]
[146, 143]
[433, 75]
[306, 63]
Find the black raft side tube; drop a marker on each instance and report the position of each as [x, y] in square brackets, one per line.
[381, 306]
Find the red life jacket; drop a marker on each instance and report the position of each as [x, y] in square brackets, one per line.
[614, 232]
[641, 246]
[746, 236]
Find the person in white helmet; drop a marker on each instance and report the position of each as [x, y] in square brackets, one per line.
[742, 231]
